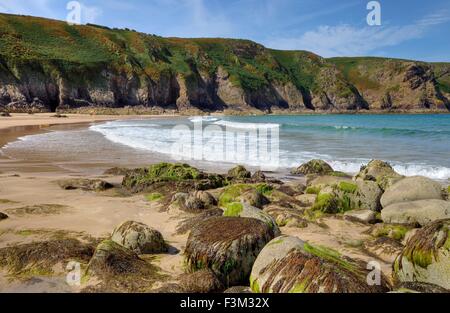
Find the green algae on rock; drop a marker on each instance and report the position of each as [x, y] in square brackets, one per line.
[313, 167]
[228, 246]
[239, 173]
[290, 265]
[426, 256]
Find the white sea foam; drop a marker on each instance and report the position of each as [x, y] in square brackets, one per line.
[196, 119]
[245, 126]
[152, 137]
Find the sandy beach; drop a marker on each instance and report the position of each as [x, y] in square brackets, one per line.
[40, 210]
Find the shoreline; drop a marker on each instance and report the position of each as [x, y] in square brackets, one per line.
[33, 185]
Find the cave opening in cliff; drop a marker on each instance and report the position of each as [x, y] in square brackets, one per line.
[53, 105]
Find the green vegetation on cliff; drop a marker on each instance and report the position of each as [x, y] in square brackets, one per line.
[89, 64]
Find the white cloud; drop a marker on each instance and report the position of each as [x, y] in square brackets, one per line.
[435, 18]
[346, 40]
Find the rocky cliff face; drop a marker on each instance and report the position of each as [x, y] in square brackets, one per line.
[47, 65]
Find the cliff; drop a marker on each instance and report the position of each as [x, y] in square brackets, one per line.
[47, 65]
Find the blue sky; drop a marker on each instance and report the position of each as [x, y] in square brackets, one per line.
[411, 29]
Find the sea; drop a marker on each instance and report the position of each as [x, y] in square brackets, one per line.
[412, 144]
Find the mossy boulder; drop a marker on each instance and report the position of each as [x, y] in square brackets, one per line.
[239, 173]
[228, 246]
[380, 172]
[290, 265]
[3, 216]
[85, 184]
[426, 257]
[254, 198]
[245, 210]
[412, 189]
[289, 217]
[345, 196]
[421, 212]
[140, 179]
[250, 193]
[203, 281]
[139, 238]
[313, 167]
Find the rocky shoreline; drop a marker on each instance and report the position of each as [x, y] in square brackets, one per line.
[246, 232]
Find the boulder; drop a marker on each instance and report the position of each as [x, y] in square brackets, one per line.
[313, 167]
[307, 200]
[3, 216]
[208, 199]
[228, 246]
[139, 238]
[203, 281]
[290, 265]
[364, 216]
[245, 210]
[346, 196]
[254, 198]
[426, 256]
[111, 259]
[419, 212]
[259, 177]
[289, 217]
[412, 189]
[379, 172]
[85, 184]
[239, 172]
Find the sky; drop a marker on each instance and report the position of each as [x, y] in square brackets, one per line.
[410, 29]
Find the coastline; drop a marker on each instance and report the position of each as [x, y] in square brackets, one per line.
[33, 186]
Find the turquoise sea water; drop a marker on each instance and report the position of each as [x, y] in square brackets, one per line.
[414, 144]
